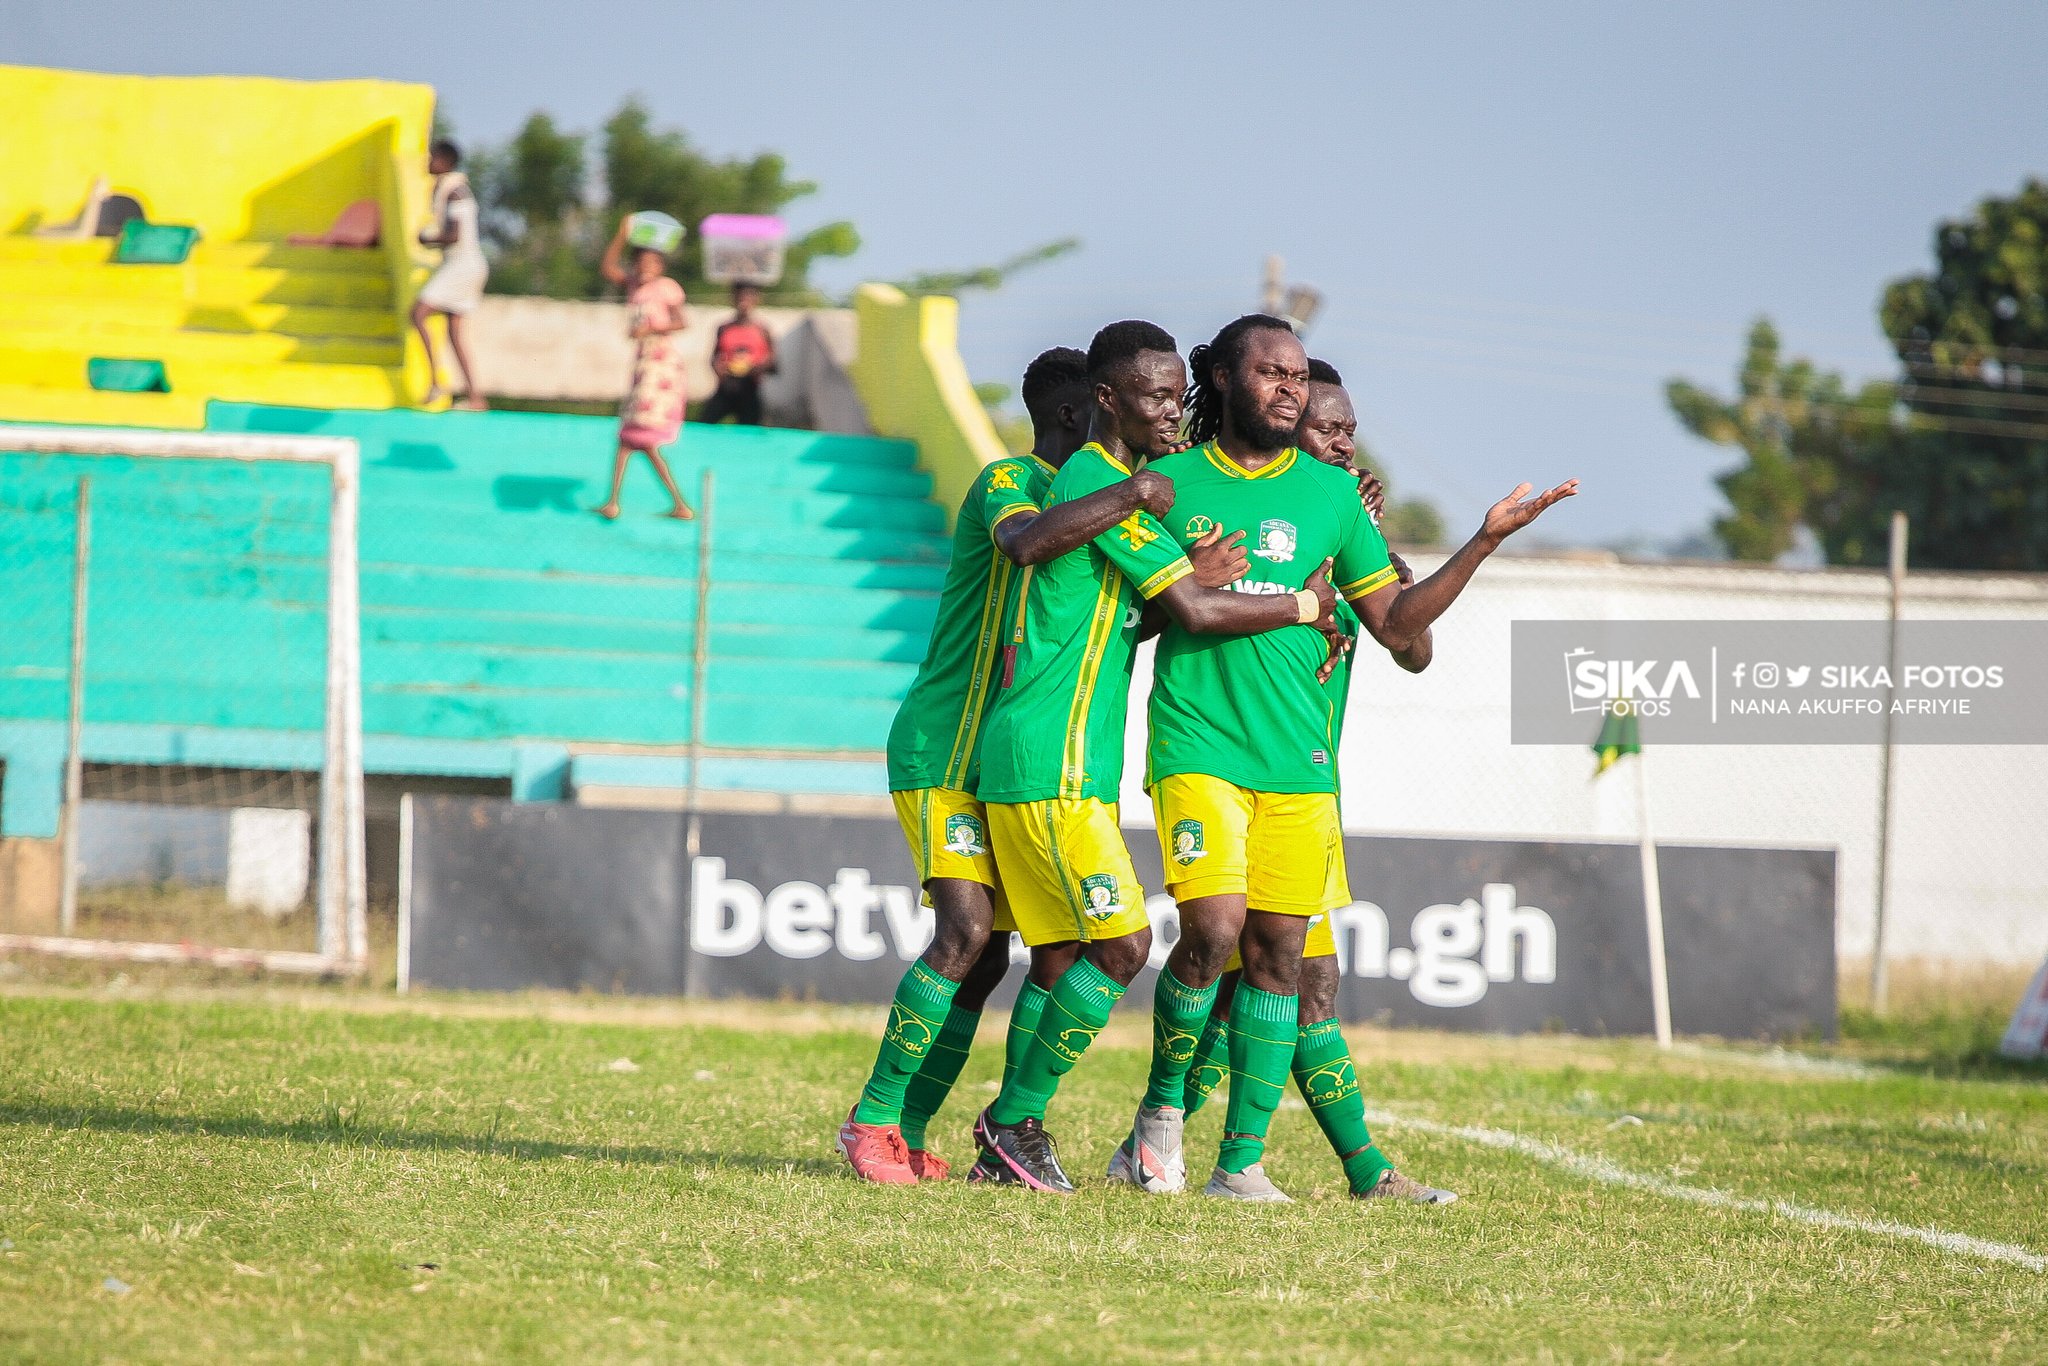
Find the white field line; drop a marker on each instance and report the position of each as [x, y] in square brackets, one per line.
[1614, 1174]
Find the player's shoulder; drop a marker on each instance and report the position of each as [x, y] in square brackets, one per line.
[1180, 464]
[1012, 474]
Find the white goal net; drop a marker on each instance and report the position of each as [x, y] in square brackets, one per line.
[180, 698]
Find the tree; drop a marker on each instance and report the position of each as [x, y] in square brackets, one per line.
[532, 193]
[1799, 426]
[1972, 342]
[1959, 442]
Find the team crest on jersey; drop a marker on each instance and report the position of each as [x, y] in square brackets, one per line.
[1003, 477]
[1276, 540]
[1099, 890]
[1187, 842]
[964, 836]
[1135, 533]
[1200, 526]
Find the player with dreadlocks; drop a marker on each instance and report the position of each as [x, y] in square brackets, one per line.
[934, 754]
[1323, 1069]
[1052, 759]
[1242, 758]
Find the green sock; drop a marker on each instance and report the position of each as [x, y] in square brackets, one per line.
[934, 1081]
[1329, 1083]
[1178, 1013]
[1024, 1018]
[1211, 1064]
[1075, 1013]
[923, 999]
[1262, 1037]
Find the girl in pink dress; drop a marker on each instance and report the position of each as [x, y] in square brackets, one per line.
[652, 415]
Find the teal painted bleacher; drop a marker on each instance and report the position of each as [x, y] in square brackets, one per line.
[500, 616]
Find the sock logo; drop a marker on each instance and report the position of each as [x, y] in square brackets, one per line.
[1177, 1044]
[1187, 842]
[1330, 1083]
[964, 835]
[1099, 891]
[1073, 1041]
[908, 1032]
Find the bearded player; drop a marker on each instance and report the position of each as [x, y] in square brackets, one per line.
[1242, 756]
[1052, 756]
[1323, 1069]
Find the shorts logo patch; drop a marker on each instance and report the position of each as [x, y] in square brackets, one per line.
[1187, 842]
[1276, 540]
[964, 835]
[1200, 526]
[1099, 891]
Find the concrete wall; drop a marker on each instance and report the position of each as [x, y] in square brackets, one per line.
[562, 349]
[1430, 754]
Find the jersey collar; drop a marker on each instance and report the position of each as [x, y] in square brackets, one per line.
[1216, 456]
[1040, 461]
[1101, 450]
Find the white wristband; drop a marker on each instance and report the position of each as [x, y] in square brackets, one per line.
[1307, 606]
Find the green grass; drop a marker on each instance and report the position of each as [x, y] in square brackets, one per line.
[305, 1174]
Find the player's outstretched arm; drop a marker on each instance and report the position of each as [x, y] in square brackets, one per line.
[1220, 612]
[1398, 616]
[1034, 538]
[1417, 656]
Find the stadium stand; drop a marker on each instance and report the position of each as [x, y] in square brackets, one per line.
[507, 632]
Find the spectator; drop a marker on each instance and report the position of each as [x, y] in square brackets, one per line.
[742, 353]
[652, 415]
[454, 290]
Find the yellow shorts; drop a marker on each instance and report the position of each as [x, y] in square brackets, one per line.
[1065, 870]
[948, 836]
[1282, 851]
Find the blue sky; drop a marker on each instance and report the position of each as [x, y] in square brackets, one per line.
[1524, 218]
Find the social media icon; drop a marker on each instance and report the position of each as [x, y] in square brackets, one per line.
[1795, 676]
[1764, 674]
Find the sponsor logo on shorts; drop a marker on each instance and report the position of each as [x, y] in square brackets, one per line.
[964, 835]
[1276, 540]
[1099, 891]
[1187, 842]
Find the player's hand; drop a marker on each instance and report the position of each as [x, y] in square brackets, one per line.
[1371, 492]
[1511, 513]
[1403, 575]
[1337, 643]
[1326, 597]
[1218, 563]
[1155, 492]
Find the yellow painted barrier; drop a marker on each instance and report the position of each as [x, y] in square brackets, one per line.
[910, 377]
[249, 161]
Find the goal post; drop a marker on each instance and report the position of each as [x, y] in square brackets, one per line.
[339, 893]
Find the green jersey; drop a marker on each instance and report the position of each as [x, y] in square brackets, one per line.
[1248, 709]
[1057, 729]
[936, 739]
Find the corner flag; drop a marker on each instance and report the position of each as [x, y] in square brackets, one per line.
[1619, 735]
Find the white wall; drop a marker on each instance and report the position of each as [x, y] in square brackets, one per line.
[1429, 754]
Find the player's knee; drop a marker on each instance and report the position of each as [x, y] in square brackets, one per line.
[1318, 989]
[1049, 962]
[983, 977]
[962, 914]
[1123, 958]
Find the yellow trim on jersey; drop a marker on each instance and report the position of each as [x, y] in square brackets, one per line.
[1010, 510]
[987, 642]
[1371, 583]
[1103, 451]
[1222, 460]
[1108, 617]
[1042, 463]
[1165, 579]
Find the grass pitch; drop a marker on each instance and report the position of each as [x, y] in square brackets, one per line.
[245, 1174]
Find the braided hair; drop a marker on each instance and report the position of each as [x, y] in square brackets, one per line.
[1204, 400]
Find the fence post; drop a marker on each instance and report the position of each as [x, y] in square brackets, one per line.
[74, 761]
[1879, 985]
[700, 662]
